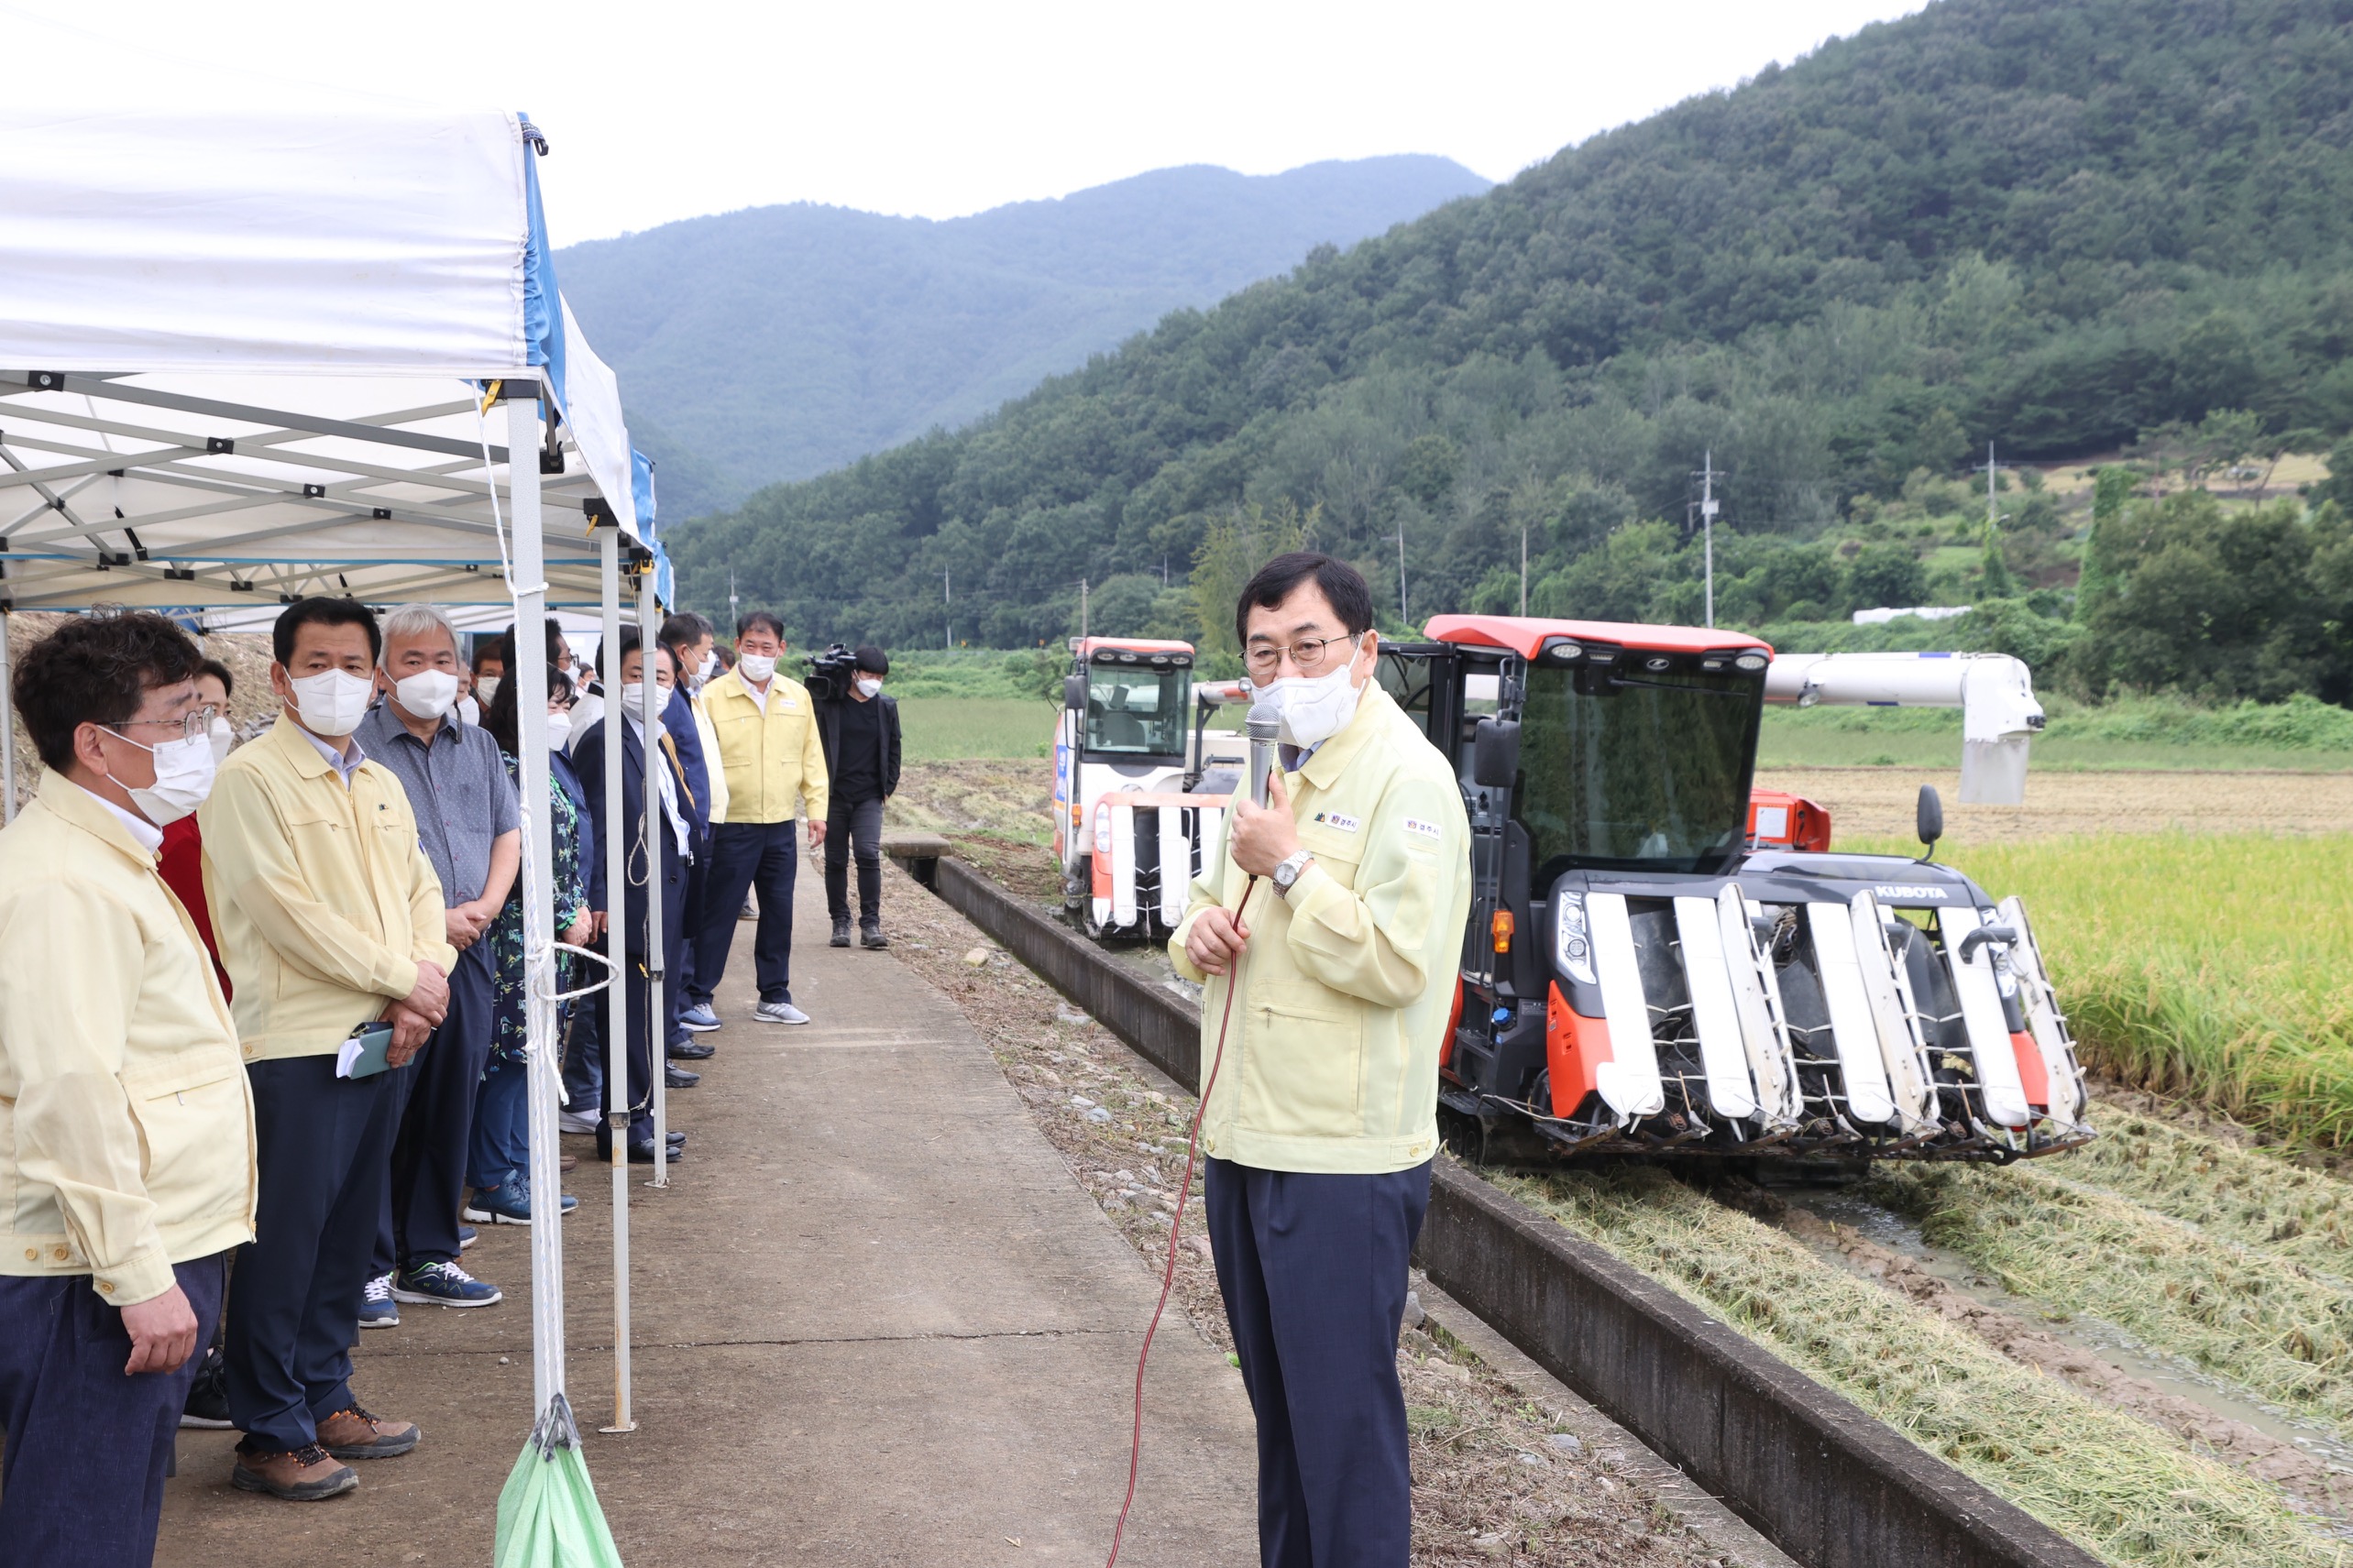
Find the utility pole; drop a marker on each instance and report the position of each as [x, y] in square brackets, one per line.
[947, 610]
[733, 620]
[1081, 610]
[1993, 517]
[1708, 524]
[1402, 614]
[1524, 568]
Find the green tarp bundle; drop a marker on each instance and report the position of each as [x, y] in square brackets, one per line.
[548, 1516]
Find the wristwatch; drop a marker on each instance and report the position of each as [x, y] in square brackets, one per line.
[1293, 867]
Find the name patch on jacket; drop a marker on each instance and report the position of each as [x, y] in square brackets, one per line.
[1430, 832]
[1337, 821]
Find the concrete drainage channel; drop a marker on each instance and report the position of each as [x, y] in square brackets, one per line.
[1817, 1477]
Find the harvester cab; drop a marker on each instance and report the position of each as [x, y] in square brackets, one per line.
[1648, 970]
[1121, 756]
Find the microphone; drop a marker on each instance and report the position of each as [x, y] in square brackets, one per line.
[1265, 719]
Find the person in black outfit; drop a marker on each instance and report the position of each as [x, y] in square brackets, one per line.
[860, 733]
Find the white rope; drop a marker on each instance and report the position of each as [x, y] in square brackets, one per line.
[497, 523]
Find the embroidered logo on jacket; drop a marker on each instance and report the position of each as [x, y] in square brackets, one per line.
[1420, 830]
[1337, 821]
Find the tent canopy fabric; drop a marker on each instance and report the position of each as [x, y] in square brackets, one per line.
[241, 359]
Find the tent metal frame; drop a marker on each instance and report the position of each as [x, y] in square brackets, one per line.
[271, 515]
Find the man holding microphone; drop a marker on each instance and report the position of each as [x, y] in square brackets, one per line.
[1338, 908]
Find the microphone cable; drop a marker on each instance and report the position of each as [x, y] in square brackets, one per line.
[1176, 1230]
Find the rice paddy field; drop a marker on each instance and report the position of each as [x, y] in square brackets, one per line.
[2147, 1343]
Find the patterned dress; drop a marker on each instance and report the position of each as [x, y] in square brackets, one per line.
[507, 1038]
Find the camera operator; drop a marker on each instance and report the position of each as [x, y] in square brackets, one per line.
[859, 728]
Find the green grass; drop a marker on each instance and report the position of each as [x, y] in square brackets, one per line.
[2109, 1482]
[950, 729]
[2211, 967]
[2304, 735]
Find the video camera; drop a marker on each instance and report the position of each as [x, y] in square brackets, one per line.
[829, 673]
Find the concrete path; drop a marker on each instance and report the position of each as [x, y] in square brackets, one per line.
[875, 1323]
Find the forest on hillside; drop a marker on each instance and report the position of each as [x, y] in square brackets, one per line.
[2116, 228]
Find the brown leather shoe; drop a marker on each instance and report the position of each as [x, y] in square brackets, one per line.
[304, 1474]
[353, 1433]
[567, 1161]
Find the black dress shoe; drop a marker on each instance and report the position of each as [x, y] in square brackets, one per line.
[842, 933]
[641, 1153]
[691, 1050]
[677, 1139]
[679, 1078]
[872, 937]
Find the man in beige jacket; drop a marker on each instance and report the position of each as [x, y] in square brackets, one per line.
[330, 917]
[126, 1129]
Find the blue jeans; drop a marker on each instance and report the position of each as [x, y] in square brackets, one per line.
[502, 1146]
[1313, 1270]
[81, 1479]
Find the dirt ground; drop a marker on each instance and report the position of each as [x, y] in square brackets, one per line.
[1494, 1478]
[1877, 803]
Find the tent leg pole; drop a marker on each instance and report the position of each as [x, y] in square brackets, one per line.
[7, 727]
[616, 853]
[539, 1067]
[658, 1024]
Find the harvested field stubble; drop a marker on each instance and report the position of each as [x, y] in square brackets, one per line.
[1875, 804]
[2111, 1483]
[2267, 1325]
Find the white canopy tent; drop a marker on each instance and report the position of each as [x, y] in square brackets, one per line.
[245, 358]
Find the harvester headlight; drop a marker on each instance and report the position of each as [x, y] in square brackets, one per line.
[1752, 662]
[1101, 829]
[1571, 946]
[1563, 653]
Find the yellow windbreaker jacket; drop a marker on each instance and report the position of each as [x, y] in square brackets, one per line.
[771, 756]
[322, 900]
[1331, 1060]
[126, 1125]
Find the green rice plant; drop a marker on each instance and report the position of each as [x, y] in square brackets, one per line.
[2217, 968]
[951, 728]
[2116, 1487]
[2271, 1327]
[2241, 1195]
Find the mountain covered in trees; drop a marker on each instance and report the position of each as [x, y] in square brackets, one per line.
[2094, 227]
[778, 342]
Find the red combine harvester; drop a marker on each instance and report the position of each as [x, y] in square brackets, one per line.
[1662, 960]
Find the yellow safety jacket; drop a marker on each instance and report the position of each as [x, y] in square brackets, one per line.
[323, 901]
[769, 753]
[1331, 1060]
[125, 1124]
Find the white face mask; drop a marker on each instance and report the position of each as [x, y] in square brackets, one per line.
[183, 777]
[757, 667]
[869, 688]
[632, 699]
[221, 738]
[708, 668]
[559, 730]
[486, 688]
[332, 702]
[1314, 707]
[428, 693]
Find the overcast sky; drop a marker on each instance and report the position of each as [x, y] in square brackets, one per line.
[665, 111]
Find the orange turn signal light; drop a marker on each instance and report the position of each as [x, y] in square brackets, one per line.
[1501, 925]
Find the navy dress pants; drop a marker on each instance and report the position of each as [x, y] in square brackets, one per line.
[82, 1479]
[745, 855]
[640, 1066]
[1313, 1270]
[432, 1106]
[324, 1145]
[680, 986]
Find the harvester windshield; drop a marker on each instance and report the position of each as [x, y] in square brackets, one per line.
[1136, 712]
[1647, 773]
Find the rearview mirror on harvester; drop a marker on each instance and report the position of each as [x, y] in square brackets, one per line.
[1075, 692]
[1927, 818]
[1495, 754]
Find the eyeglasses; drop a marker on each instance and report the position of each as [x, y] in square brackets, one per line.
[1307, 655]
[191, 727]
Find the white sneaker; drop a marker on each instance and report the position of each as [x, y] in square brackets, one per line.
[574, 1121]
[376, 1307]
[779, 1013]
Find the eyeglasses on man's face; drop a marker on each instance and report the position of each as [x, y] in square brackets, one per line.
[190, 726]
[1308, 655]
